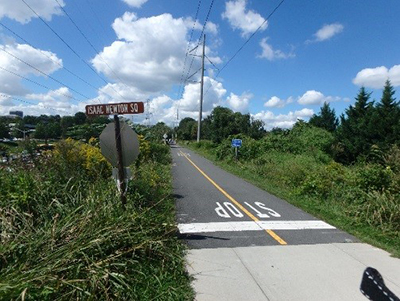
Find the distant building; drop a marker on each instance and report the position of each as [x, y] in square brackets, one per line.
[17, 113]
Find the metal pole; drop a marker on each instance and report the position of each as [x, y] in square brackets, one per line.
[120, 166]
[201, 90]
[236, 153]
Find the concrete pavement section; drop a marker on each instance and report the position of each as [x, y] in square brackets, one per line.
[278, 273]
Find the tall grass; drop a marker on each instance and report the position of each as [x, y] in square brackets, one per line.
[69, 238]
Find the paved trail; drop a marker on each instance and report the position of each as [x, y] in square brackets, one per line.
[246, 243]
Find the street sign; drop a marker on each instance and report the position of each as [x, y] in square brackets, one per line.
[165, 136]
[129, 143]
[236, 142]
[115, 108]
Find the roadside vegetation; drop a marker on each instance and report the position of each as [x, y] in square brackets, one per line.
[65, 236]
[345, 171]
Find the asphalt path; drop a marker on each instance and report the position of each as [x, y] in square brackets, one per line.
[216, 209]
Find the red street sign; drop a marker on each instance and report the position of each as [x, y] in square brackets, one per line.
[115, 108]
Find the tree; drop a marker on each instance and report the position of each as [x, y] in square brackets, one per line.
[80, 118]
[386, 117]
[326, 118]
[187, 129]
[41, 131]
[220, 124]
[355, 133]
[256, 130]
[158, 130]
[85, 131]
[66, 123]
[54, 130]
[4, 129]
[223, 122]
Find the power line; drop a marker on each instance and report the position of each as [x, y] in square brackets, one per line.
[36, 83]
[201, 35]
[208, 59]
[187, 48]
[69, 47]
[52, 59]
[196, 48]
[93, 47]
[33, 104]
[245, 43]
[44, 73]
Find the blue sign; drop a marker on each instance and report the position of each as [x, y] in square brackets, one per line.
[236, 142]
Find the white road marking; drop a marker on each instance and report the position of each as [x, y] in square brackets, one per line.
[252, 226]
[183, 154]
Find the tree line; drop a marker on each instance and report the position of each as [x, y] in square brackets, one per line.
[364, 127]
[52, 127]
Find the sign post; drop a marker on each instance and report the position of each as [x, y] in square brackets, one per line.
[236, 143]
[120, 148]
[121, 175]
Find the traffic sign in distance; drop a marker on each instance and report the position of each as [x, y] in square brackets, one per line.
[129, 141]
[115, 108]
[236, 142]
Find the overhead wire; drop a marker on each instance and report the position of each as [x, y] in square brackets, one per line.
[36, 83]
[52, 59]
[201, 35]
[33, 104]
[247, 41]
[208, 59]
[68, 46]
[181, 90]
[94, 48]
[44, 73]
[187, 48]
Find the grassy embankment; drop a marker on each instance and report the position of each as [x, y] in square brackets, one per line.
[363, 199]
[65, 235]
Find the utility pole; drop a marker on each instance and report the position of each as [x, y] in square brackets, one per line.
[148, 114]
[201, 89]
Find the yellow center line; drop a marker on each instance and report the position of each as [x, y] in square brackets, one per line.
[247, 212]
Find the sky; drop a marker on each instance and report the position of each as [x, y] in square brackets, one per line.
[57, 56]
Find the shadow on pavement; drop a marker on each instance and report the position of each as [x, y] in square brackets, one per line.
[199, 237]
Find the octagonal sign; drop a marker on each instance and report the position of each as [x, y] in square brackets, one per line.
[129, 141]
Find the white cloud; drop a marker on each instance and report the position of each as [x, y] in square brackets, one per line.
[150, 53]
[164, 108]
[5, 101]
[191, 96]
[135, 3]
[272, 54]
[376, 77]
[282, 120]
[212, 28]
[60, 98]
[276, 102]
[18, 10]
[10, 83]
[239, 103]
[313, 97]
[328, 31]
[305, 113]
[245, 21]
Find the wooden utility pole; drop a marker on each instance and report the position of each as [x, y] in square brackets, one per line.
[120, 165]
[201, 89]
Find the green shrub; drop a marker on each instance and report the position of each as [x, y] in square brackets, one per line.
[374, 177]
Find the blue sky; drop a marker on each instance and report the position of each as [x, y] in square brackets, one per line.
[309, 52]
